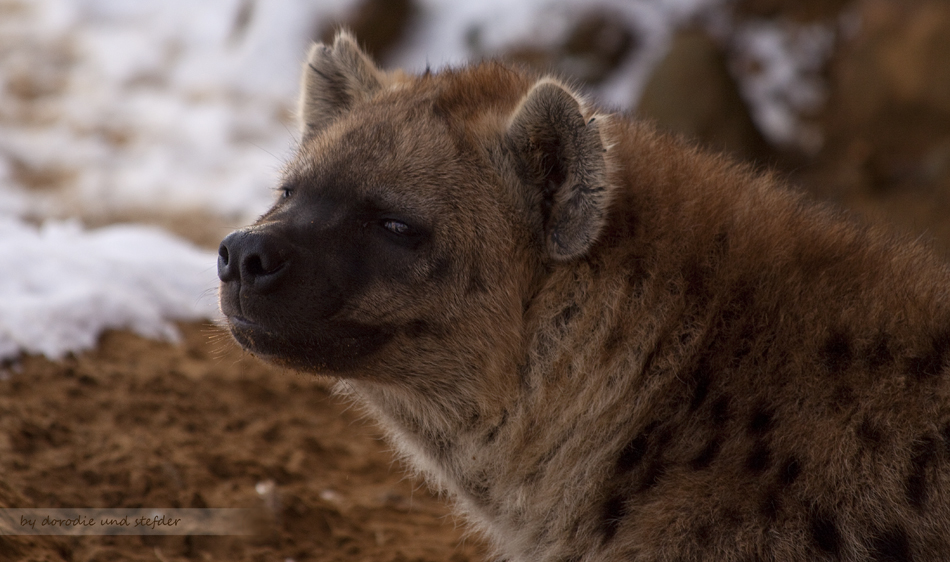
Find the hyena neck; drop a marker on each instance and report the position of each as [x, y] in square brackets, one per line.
[493, 451]
[435, 429]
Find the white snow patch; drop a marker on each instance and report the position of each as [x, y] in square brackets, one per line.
[778, 63]
[62, 285]
[779, 66]
[452, 33]
[157, 105]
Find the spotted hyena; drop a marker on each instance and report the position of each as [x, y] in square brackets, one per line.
[604, 343]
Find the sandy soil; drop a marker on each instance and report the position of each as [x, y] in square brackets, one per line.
[138, 423]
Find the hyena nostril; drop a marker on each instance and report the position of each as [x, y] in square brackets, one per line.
[254, 267]
[225, 271]
[255, 259]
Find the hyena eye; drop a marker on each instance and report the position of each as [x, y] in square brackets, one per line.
[286, 192]
[397, 227]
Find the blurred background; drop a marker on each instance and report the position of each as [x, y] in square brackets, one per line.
[134, 135]
[181, 113]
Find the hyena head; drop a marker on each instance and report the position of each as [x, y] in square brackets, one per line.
[414, 219]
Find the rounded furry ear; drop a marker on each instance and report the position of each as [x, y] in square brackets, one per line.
[334, 78]
[562, 157]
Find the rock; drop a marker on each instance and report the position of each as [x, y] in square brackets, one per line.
[691, 92]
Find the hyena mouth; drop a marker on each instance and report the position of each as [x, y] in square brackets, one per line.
[310, 349]
[252, 336]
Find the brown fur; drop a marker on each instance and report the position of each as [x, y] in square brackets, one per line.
[604, 343]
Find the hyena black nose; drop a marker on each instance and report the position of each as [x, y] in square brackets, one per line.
[255, 259]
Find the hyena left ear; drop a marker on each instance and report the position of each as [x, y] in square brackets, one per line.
[563, 163]
[335, 77]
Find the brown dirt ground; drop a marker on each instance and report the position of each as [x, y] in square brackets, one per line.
[139, 423]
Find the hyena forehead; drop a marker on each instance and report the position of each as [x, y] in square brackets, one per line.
[394, 166]
[538, 136]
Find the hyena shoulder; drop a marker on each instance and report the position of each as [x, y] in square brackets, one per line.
[604, 343]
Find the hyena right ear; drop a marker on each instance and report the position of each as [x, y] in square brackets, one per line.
[335, 77]
[563, 163]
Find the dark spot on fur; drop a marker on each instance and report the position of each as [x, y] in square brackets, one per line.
[524, 372]
[476, 283]
[545, 459]
[720, 411]
[703, 534]
[565, 316]
[721, 244]
[440, 269]
[770, 506]
[632, 264]
[759, 459]
[880, 353]
[745, 342]
[418, 329]
[493, 432]
[891, 546]
[916, 487]
[635, 280]
[789, 471]
[684, 338]
[662, 439]
[612, 514]
[697, 290]
[842, 398]
[645, 449]
[652, 475]
[701, 388]
[743, 300]
[837, 353]
[707, 455]
[480, 492]
[731, 518]
[870, 433]
[596, 264]
[736, 328]
[652, 355]
[934, 360]
[824, 531]
[439, 444]
[633, 452]
[613, 342]
[761, 422]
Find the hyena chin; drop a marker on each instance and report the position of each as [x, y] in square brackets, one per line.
[604, 343]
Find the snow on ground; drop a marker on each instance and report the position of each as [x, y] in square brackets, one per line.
[452, 32]
[169, 105]
[790, 60]
[174, 106]
[63, 286]
[788, 57]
